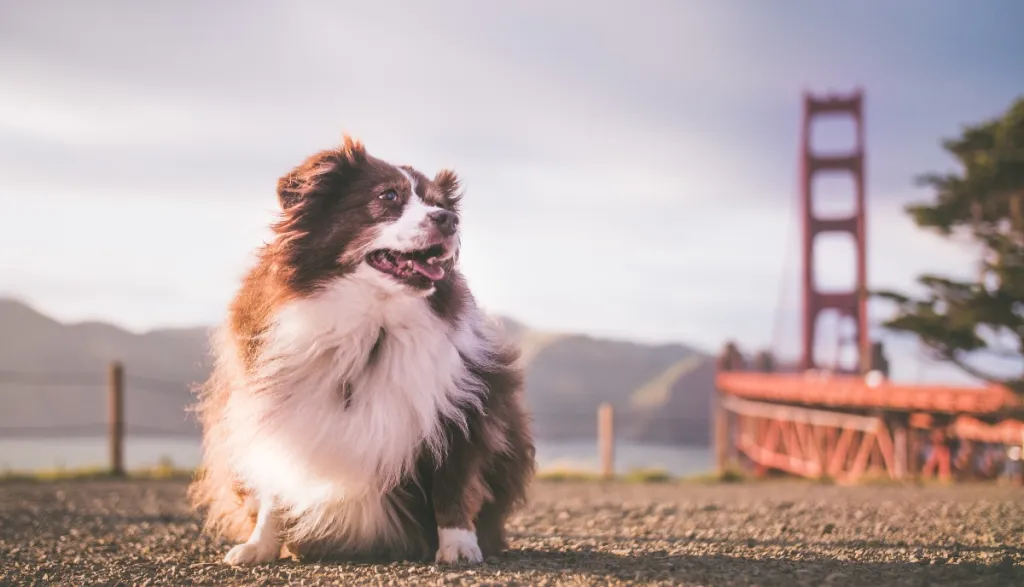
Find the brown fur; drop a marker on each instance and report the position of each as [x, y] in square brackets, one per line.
[325, 212]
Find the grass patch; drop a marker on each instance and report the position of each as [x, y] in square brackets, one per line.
[728, 476]
[87, 474]
[561, 474]
[164, 469]
[651, 475]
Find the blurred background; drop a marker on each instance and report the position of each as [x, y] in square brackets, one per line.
[632, 176]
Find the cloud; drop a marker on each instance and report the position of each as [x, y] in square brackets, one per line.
[630, 171]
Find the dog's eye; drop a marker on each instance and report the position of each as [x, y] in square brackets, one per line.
[389, 196]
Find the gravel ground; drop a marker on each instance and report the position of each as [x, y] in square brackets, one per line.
[777, 533]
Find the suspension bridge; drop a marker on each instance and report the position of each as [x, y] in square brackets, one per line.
[844, 420]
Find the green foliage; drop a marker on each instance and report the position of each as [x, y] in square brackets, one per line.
[983, 202]
[650, 475]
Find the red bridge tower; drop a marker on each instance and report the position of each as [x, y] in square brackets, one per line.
[848, 304]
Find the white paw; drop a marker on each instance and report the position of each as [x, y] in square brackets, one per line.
[251, 554]
[456, 544]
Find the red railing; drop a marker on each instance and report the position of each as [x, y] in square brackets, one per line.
[844, 391]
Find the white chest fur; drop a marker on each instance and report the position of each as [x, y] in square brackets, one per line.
[329, 459]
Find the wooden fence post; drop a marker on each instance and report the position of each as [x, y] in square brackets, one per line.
[606, 440]
[115, 406]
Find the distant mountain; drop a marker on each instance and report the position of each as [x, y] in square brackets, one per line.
[37, 351]
[661, 393]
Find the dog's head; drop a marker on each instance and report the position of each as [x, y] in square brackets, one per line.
[343, 209]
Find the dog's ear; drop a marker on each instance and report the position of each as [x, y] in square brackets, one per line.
[449, 185]
[295, 185]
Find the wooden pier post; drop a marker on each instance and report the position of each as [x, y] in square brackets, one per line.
[606, 440]
[914, 446]
[901, 450]
[115, 406]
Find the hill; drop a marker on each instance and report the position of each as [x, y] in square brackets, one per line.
[661, 393]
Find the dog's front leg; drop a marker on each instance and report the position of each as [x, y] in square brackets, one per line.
[263, 545]
[458, 493]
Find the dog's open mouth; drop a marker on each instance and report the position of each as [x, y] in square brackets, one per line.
[420, 267]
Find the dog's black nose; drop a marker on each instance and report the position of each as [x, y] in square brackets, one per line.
[445, 221]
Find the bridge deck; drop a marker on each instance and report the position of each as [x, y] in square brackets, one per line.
[851, 392]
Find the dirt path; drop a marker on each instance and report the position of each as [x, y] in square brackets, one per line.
[137, 533]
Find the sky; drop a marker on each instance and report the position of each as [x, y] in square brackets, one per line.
[630, 167]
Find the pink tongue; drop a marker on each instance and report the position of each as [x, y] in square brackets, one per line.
[431, 272]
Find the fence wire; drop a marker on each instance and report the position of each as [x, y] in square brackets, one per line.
[76, 403]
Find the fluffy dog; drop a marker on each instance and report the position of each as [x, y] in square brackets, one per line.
[361, 404]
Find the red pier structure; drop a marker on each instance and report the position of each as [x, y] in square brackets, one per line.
[846, 422]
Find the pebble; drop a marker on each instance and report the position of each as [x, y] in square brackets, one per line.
[768, 533]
